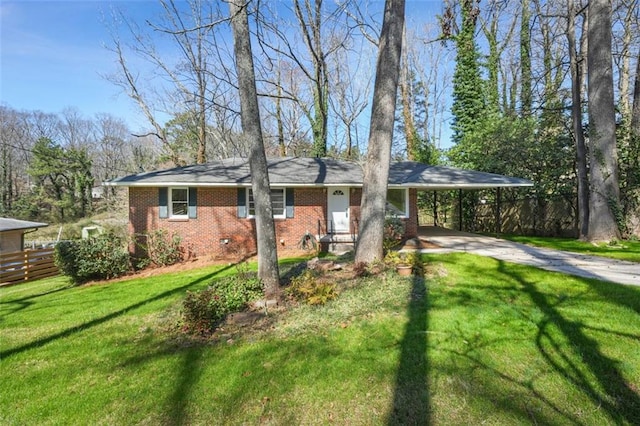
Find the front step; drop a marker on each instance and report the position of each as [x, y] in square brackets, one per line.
[337, 243]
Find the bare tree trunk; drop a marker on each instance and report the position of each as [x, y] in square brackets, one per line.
[282, 147]
[407, 111]
[526, 95]
[310, 20]
[576, 121]
[635, 127]
[633, 178]
[201, 155]
[252, 129]
[605, 192]
[376, 171]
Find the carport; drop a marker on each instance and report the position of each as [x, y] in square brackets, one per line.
[441, 178]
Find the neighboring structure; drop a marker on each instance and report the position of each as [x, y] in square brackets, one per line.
[97, 192]
[12, 233]
[210, 206]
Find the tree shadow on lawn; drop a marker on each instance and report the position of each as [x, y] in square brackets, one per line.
[562, 343]
[411, 403]
[17, 305]
[620, 401]
[283, 367]
[81, 327]
[174, 411]
[186, 380]
[514, 401]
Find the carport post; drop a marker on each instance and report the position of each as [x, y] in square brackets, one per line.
[459, 209]
[435, 208]
[498, 214]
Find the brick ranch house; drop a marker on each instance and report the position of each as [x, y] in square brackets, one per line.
[210, 206]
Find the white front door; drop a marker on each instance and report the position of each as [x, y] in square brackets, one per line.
[338, 207]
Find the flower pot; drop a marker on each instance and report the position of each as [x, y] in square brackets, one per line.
[404, 270]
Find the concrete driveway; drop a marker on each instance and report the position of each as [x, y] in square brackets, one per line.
[600, 268]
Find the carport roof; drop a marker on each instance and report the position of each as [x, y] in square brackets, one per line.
[7, 224]
[422, 176]
[302, 171]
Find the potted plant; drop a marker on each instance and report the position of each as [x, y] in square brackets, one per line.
[405, 263]
[404, 269]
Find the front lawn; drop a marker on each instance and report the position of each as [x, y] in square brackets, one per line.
[621, 250]
[477, 341]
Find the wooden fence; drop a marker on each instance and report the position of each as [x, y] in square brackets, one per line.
[27, 265]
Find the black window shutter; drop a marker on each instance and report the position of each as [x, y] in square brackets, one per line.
[289, 202]
[242, 202]
[193, 203]
[163, 202]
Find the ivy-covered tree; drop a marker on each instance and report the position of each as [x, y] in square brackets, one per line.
[412, 121]
[469, 103]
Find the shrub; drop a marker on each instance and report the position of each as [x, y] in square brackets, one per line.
[308, 288]
[100, 257]
[393, 232]
[237, 291]
[163, 249]
[393, 259]
[202, 310]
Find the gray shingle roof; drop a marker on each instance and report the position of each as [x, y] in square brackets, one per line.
[7, 224]
[299, 171]
[418, 175]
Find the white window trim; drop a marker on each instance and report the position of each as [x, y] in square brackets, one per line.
[275, 216]
[170, 202]
[406, 201]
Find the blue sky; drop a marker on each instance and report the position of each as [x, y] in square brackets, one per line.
[52, 54]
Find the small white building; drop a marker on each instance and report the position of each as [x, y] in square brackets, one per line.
[12, 233]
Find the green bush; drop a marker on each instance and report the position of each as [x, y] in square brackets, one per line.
[162, 248]
[97, 258]
[202, 310]
[308, 288]
[393, 232]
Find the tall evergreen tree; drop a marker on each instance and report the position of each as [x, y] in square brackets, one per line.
[63, 180]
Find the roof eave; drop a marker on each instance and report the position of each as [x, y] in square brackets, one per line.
[227, 184]
[452, 186]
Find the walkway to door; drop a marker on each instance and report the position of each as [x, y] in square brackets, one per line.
[552, 260]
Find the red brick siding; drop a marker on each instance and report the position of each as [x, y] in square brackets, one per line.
[217, 220]
[411, 223]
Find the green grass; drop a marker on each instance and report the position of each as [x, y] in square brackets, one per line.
[477, 341]
[622, 250]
